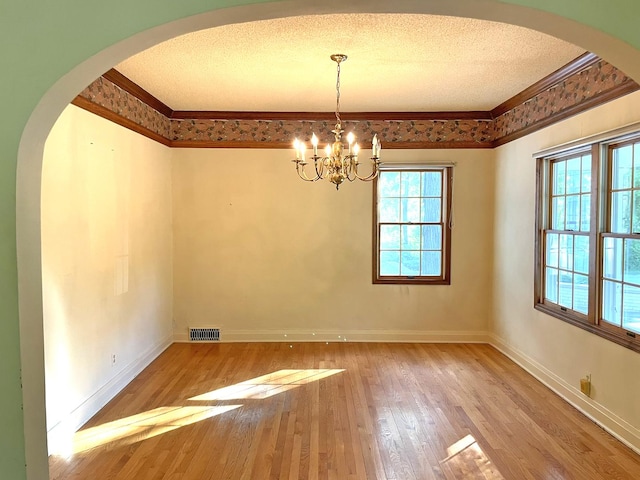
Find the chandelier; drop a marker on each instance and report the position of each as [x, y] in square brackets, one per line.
[335, 165]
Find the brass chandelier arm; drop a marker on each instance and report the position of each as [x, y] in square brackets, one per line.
[303, 175]
[374, 172]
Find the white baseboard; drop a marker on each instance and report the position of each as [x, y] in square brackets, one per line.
[388, 336]
[60, 435]
[612, 423]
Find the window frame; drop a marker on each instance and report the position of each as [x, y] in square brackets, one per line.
[601, 150]
[446, 200]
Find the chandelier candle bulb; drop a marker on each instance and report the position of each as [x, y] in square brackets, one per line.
[314, 142]
[296, 147]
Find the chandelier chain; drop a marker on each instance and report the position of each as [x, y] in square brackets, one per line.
[338, 97]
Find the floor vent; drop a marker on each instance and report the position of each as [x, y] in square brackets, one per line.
[204, 334]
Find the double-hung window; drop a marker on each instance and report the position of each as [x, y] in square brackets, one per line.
[588, 238]
[412, 232]
[621, 240]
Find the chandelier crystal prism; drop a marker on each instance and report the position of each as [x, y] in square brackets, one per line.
[336, 166]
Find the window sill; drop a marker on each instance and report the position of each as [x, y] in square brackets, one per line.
[410, 281]
[632, 344]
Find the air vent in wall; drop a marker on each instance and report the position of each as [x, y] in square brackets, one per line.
[204, 334]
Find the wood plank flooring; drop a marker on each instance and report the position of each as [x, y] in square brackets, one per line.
[340, 411]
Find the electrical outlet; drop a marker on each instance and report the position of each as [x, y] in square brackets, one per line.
[585, 385]
[113, 359]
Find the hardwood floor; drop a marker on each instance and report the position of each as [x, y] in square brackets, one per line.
[340, 411]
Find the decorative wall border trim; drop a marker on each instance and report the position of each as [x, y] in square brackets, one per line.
[585, 83]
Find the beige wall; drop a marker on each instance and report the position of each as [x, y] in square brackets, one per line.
[106, 260]
[260, 253]
[558, 353]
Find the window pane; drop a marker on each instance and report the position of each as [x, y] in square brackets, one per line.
[431, 237]
[431, 210]
[622, 167]
[432, 263]
[557, 213]
[586, 174]
[389, 237]
[612, 258]
[431, 184]
[565, 293]
[635, 219]
[551, 285]
[581, 254]
[389, 184]
[389, 263]
[410, 237]
[566, 252]
[410, 264]
[410, 184]
[611, 302]
[581, 293]
[552, 249]
[574, 179]
[573, 212]
[631, 308]
[585, 212]
[636, 167]
[389, 209]
[632, 261]
[558, 178]
[620, 212]
[410, 210]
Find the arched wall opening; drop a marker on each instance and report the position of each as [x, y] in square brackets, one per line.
[60, 94]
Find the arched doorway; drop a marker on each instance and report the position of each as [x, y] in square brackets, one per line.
[52, 103]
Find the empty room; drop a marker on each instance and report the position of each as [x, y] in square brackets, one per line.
[290, 241]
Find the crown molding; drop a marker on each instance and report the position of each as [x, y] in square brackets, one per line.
[423, 130]
[563, 73]
[623, 89]
[115, 77]
[325, 116]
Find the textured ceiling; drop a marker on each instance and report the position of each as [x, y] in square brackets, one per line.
[396, 63]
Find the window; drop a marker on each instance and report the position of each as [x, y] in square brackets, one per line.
[588, 238]
[412, 237]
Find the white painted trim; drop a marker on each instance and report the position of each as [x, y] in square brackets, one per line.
[612, 423]
[59, 435]
[388, 336]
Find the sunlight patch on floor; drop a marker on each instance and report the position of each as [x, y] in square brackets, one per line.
[268, 385]
[152, 423]
[140, 427]
[466, 458]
